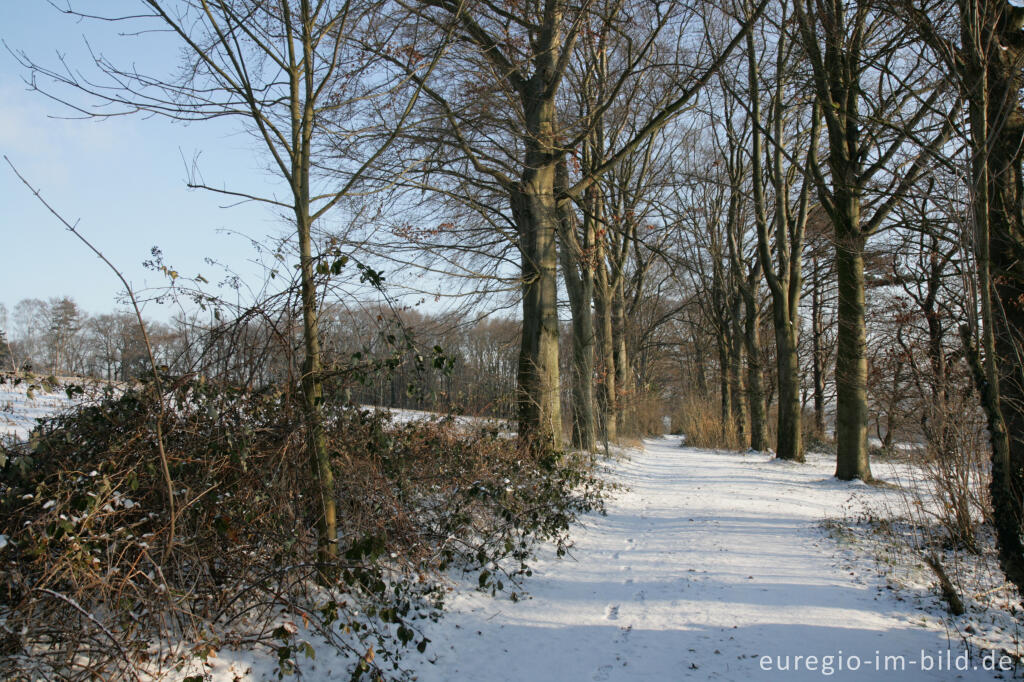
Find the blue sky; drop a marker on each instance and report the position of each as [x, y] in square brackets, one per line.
[122, 179]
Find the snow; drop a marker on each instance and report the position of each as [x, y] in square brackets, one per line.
[708, 563]
[404, 416]
[905, 447]
[20, 407]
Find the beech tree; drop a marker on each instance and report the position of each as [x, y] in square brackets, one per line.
[981, 44]
[843, 43]
[780, 234]
[496, 112]
[818, 254]
[739, 282]
[994, 53]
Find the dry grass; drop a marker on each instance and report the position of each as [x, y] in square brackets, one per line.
[699, 419]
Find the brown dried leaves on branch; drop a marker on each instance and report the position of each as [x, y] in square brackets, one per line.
[86, 591]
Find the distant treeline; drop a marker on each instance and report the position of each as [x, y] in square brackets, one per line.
[375, 355]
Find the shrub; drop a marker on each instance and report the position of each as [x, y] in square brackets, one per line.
[95, 586]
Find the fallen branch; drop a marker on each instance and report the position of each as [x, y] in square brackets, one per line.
[949, 594]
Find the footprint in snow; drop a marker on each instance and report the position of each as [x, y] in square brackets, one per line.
[602, 672]
[611, 612]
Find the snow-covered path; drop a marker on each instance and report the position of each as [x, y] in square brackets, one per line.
[706, 564]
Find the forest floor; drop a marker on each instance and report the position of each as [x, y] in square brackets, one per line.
[712, 565]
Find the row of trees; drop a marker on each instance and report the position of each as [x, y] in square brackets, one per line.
[873, 125]
[763, 190]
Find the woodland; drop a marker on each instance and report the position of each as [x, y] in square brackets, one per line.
[782, 227]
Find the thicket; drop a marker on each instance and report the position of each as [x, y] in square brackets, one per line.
[94, 585]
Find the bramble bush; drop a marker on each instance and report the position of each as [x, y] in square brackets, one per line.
[94, 586]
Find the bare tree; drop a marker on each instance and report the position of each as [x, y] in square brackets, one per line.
[496, 125]
[780, 236]
[981, 44]
[290, 72]
[844, 43]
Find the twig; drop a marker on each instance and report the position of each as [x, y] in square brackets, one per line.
[149, 350]
[76, 606]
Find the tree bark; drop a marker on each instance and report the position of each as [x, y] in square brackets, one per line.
[755, 376]
[623, 374]
[312, 399]
[724, 385]
[738, 387]
[536, 215]
[851, 356]
[538, 381]
[578, 272]
[817, 352]
[994, 51]
[790, 435]
[606, 344]
[783, 271]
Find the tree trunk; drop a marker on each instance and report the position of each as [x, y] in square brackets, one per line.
[312, 398]
[790, 436]
[623, 375]
[818, 354]
[738, 386]
[584, 427]
[698, 363]
[578, 272]
[851, 355]
[606, 347]
[536, 217]
[783, 272]
[994, 51]
[1006, 317]
[302, 124]
[755, 378]
[538, 393]
[723, 381]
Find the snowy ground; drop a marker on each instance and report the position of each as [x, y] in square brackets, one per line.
[710, 562]
[709, 565]
[22, 405]
[403, 416]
